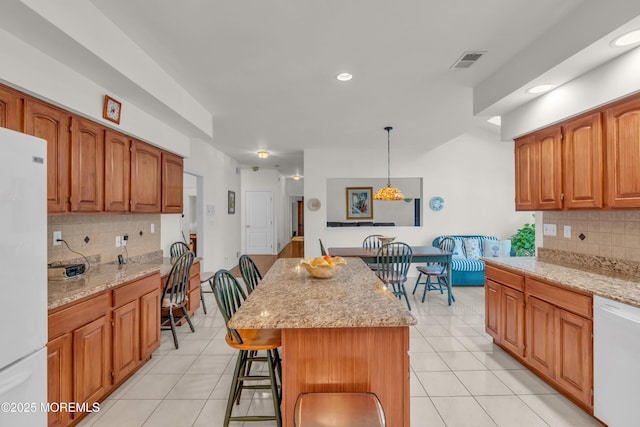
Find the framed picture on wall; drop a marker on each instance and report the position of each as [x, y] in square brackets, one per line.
[231, 202]
[359, 203]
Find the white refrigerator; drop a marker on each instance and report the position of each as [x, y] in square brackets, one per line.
[23, 280]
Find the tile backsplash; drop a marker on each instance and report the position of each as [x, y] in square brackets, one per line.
[101, 231]
[611, 234]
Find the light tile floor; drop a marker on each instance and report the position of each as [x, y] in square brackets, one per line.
[458, 377]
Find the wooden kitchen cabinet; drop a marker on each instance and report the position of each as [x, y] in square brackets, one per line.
[117, 171]
[623, 154]
[87, 166]
[540, 335]
[583, 165]
[553, 337]
[52, 124]
[538, 170]
[504, 301]
[149, 323]
[59, 377]
[146, 177]
[94, 345]
[194, 288]
[91, 360]
[172, 174]
[126, 339]
[10, 109]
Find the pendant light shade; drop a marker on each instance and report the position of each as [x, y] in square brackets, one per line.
[388, 192]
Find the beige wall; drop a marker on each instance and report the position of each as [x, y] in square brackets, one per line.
[614, 234]
[102, 231]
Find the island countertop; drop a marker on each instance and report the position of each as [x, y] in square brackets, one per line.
[626, 290]
[288, 297]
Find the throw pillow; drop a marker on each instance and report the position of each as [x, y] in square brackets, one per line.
[457, 249]
[496, 248]
[472, 248]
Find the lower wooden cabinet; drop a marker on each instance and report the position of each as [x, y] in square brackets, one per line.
[94, 345]
[194, 288]
[547, 327]
[59, 368]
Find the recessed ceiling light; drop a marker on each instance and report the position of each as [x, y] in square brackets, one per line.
[263, 154]
[495, 120]
[627, 39]
[540, 88]
[344, 77]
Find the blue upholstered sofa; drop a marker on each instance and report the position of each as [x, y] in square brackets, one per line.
[465, 271]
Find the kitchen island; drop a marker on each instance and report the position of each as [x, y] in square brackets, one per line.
[344, 334]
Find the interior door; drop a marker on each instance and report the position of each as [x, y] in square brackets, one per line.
[300, 218]
[259, 222]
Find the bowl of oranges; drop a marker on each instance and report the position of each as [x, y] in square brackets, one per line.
[323, 267]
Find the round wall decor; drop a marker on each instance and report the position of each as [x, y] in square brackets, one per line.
[436, 203]
[313, 204]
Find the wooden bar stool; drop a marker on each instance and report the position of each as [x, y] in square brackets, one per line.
[205, 276]
[338, 410]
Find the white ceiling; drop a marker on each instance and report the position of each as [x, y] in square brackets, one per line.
[265, 70]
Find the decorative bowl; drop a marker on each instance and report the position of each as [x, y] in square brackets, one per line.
[323, 267]
[387, 239]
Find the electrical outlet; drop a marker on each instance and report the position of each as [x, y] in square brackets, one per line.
[118, 241]
[567, 231]
[125, 239]
[153, 228]
[57, 235]
[549, 230]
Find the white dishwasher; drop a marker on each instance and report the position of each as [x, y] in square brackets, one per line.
[616, 362]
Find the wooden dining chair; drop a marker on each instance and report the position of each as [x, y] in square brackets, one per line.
[393, 261]
[174, 296]
[250, 273]
[436, 271]
[229, 297]
[177, 249]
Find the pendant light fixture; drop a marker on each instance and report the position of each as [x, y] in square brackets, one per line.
[388, 192]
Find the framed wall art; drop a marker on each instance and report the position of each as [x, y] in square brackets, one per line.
[359, 202]
[231, 202]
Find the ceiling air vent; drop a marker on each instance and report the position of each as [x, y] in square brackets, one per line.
[467, 60]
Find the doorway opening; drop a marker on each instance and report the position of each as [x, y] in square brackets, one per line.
[192, 231]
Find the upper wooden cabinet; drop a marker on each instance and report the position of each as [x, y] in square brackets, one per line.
[52, 124]
[10, 109]
[117, 171]
[87, 166]
[583, 162]
[172, 173]
[623, 154]
[596, 154]
[146, 177]
[539, 170]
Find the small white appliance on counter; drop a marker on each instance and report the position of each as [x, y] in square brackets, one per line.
[23, 280]
[616, 362]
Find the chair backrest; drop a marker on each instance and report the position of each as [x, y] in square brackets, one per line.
[446, 243]
[177, 284]
[372, 241]
[323, 251]
[393, 261]
[229, 297]
[178, 248]
[250, 273]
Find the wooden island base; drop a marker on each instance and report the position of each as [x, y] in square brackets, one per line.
[361, 359]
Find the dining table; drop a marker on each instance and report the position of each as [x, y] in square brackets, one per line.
[426, 254]
[347, 333]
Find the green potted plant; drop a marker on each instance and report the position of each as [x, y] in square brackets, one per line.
[523, 243]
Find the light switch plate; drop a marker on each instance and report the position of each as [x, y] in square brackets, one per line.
[549, 230]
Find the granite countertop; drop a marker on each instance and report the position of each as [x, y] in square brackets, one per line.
[102, 277]
[288, 297]
[615, 287]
